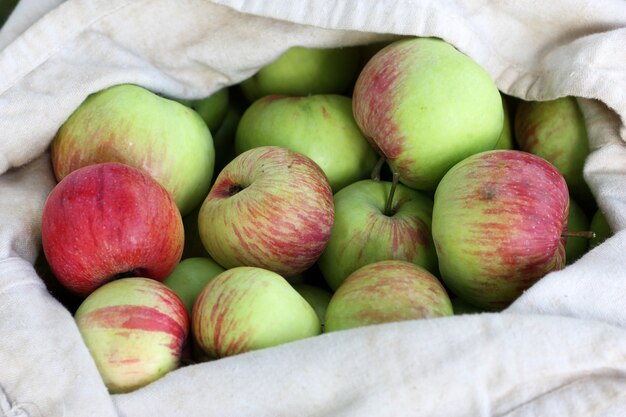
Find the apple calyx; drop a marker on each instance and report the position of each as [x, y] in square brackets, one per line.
[389, 210]
[378, 167]
[587, 234]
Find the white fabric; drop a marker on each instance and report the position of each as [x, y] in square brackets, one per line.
[557, 351]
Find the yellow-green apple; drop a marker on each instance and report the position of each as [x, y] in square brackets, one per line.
[270, 207]
[190, 276]
[555, 130]
[505, 141]
[372, 224]
[301, 71]
[110, 220]
[129, 124]
[320, 126]
[426, 106]
[498, 223]
[249, 308]
[135, 330]
[317, 296]
[212, 109]
[387, 291]
[600, 227]
[576, 246]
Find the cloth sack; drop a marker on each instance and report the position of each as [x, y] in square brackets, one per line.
[559, 350]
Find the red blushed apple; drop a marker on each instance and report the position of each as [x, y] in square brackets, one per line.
[135, 330]
[498, 225]
[107, 221]
[270, 207]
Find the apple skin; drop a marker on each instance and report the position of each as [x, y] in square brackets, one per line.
[301, 71]
[190, 276]
[212, 109]
[426, 106]
[316, 296]
[506, 141]
[576, 221]
[384, 292]
[320, 126]
[600, 226]
[270, 207]
[363, 234]
[249, 308]
[555, 130]
[131, 125]
[498, 218]
[135, 330]
[110, 220]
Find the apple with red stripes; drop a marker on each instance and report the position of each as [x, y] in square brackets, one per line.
[135, 329]
[270, 207]
[107, 221]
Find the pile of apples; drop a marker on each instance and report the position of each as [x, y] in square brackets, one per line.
[336, 188]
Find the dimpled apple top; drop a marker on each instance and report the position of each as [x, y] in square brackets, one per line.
[426, 106]
[497, 223]
[270, 207]
[107, 220]
[132, 125]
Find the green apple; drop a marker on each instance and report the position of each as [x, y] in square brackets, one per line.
[302, 71]
[248, 308]
[131, 125]
[505, 141]
[462, 307]
[190, 276]
[270, 207]
[135, 330]
[212, 109]
[373, 224]
[426, 106]
[600, 226]
[498, 223]
[577, 220]
[316, 296]
[387, 291]
[555, 130]
[321, 127]
[224, 139]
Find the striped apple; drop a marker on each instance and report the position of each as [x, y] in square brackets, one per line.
[135, 330]
[270, 207]
[499, 220]
[248, 308]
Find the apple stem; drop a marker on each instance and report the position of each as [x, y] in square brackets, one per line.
[392, 191]
[378, 167]
[572, 233]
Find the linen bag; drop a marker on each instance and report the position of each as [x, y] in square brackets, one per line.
[560, 350]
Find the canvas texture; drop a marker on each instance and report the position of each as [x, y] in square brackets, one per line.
[557, 351]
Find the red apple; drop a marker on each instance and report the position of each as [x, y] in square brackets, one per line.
[110, 220]
[498, 224]
[270, 207]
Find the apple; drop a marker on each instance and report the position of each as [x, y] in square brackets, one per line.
[601, 228]
[375, 221]
[462, 307]
[106, 221]
[576, 246]
[190, 276]
[320, 126]
[505, 141]
[135, 330]
[249, 308]
[301, 71]
[498, 223]
[270, 207]
[212, 109]
[131, 125]
[316, 296]
[555, 130]
[387, 291]
[426, 106]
